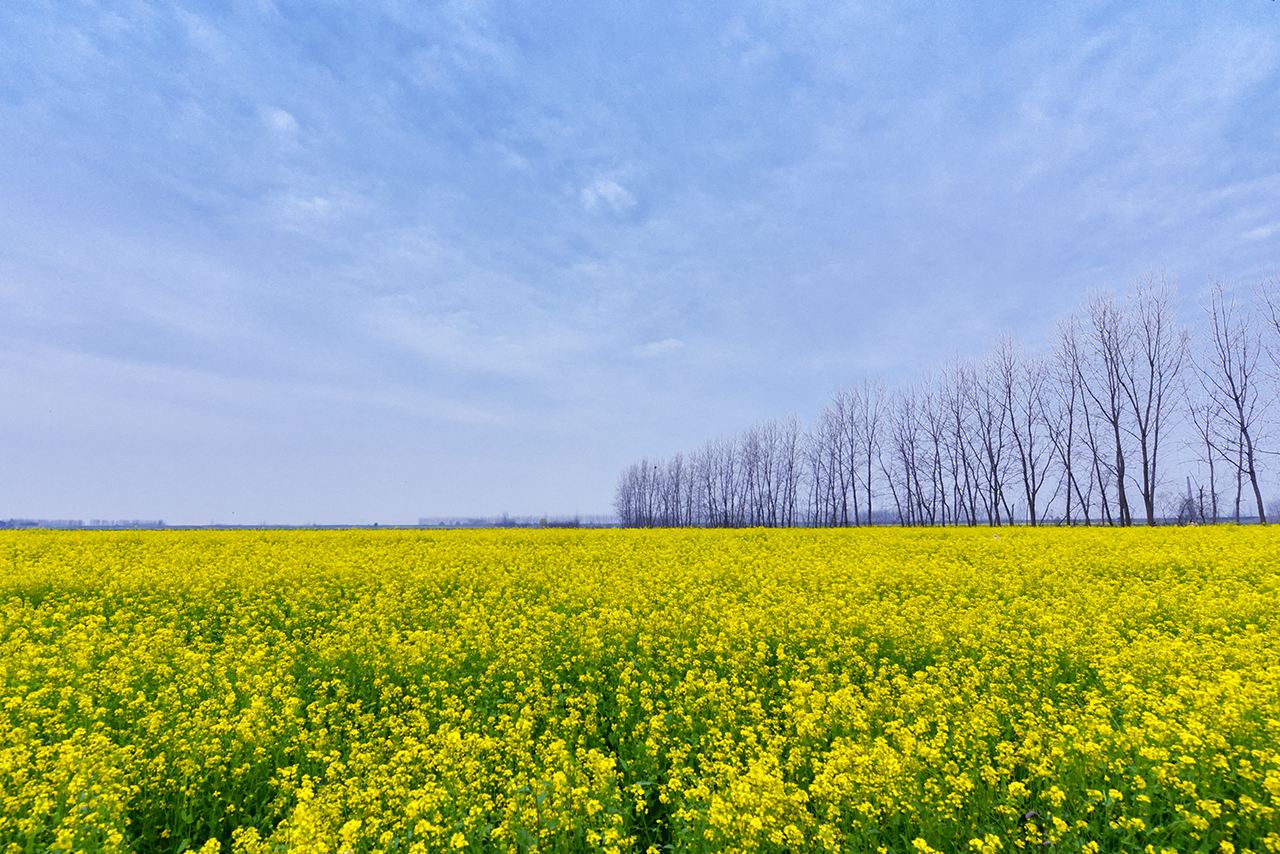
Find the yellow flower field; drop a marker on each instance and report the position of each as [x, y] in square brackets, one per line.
[953, 690]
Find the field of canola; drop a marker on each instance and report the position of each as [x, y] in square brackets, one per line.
[956, 690]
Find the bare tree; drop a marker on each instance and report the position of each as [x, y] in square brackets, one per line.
[624, 499]
[935, 423]
[901, 470]
[955, 393]
[848, 404]
[1148, 378]
[1203, 413]
[868, 420]
[753, 467]
[1022, 383]
[637, 498]
[839, 458]
[1269, 291]
[1069, 411]
[821, 453]
[1079, 426]
[790, 470]
[1111, 347]
[674, 486]
[990, 439]
[1228, 372]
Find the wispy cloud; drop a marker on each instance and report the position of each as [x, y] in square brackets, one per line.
[281, 121]
[302, 212]
[470, 342]
[1263, 232]
[654, 349]
[604, 195]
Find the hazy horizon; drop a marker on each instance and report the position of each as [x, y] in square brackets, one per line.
[265, 262]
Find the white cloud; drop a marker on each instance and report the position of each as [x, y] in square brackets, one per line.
[653, 349]
[1263, 232]
[303, 212]
[308, 207]
[280, 121]
[470, 343]
[203, 35]
[604, 195]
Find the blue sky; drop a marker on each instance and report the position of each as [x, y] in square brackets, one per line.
[308, 262]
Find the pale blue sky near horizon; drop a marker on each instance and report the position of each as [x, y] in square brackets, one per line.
[352, 262]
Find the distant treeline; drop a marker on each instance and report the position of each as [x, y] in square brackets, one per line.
[1080, 433]
[506, 521]
[81, 523]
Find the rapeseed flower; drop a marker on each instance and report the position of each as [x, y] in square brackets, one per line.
[870, 690]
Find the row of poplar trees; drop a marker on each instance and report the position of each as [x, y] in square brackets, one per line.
[1091, 430]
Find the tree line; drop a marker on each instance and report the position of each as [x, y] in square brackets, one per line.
[1081, 432]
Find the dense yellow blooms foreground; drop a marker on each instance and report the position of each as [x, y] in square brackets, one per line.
[894, 690]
